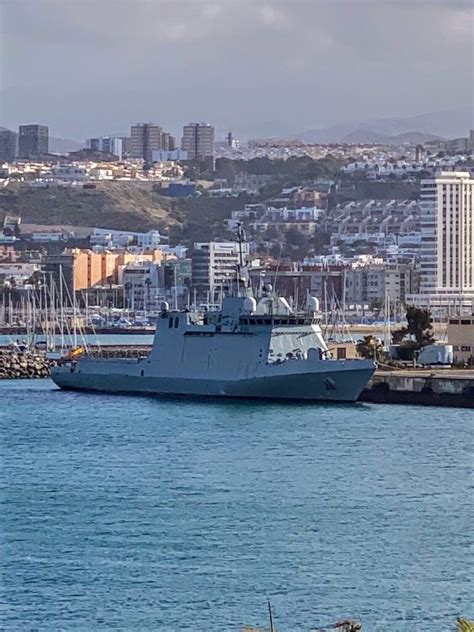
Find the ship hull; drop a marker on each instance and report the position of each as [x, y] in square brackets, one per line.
[342, 384]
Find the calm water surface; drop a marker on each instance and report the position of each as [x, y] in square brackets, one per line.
[127, 513]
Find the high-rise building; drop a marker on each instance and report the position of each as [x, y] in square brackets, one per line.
[447, 238]
[231, 142]
[214, 267]
[198, 141]
[145, 137]
[168, 142]
[33, 141]
[126, 145]
[106, 144]
[8, 145]
[94, 144]
[447, 241]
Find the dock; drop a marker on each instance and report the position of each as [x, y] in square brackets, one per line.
[428, 387]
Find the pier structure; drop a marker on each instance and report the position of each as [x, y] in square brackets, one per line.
[429, 387]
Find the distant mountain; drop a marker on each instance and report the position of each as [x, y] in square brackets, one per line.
[366, 136]
[59, 145]
[63, 145]
[446, 124]
[415, 137]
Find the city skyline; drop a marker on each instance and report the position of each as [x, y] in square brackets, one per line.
[101, 71]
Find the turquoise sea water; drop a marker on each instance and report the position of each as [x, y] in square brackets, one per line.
[134, 513]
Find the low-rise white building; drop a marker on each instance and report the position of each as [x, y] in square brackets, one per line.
[17, 274]
[143, 284]
[110, 239]
[169, 155]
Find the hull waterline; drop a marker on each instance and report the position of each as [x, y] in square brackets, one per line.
[338, 385]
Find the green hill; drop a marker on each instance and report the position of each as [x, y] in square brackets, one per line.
[120, 206]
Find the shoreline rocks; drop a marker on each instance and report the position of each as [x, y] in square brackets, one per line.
[16, 364]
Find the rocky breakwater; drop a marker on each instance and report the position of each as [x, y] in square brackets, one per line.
[16, 364]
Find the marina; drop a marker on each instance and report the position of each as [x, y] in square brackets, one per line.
[236, 316]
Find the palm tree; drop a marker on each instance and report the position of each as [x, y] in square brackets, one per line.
[370, 348]
[128, 287]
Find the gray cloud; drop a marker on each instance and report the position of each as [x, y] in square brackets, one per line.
[255, 66]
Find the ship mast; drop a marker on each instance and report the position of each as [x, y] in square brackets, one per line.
[240, 266]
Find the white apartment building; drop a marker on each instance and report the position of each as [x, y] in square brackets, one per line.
[66, 174]
[107, 238]
[214, 267]
[167, 155]
[17, 273]
[447, 240]
[447, 234]
[143, 285]
[106, 144]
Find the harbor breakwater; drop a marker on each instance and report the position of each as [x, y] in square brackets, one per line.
[23, 364]
[31, 363]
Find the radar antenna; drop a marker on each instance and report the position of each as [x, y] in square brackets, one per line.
[241, 239]
[241, 271]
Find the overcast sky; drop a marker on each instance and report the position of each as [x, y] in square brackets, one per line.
[87, 67]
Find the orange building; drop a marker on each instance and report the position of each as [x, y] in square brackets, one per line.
[91, 268]
[99, 268]
[84, 269]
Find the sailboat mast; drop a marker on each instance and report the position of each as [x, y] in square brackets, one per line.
[270, 615]
[61, 307]
[75, 315]
[240, 265]
[52, 311]
[175, 288]
[389, 333]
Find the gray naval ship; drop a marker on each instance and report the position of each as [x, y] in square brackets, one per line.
[249, 348]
